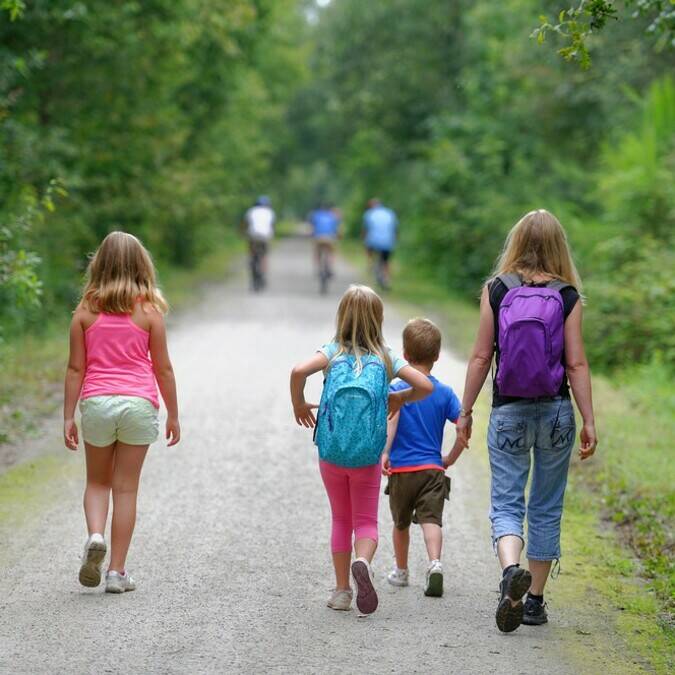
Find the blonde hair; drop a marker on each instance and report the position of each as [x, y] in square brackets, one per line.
[537, 244]
[359, 325]
[120, 274]
[422, 341]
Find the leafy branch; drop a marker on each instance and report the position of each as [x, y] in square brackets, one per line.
[576, 24]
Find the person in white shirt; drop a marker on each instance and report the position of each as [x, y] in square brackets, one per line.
[258, 223]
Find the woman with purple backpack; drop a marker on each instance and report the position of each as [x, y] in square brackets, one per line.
[530, 320]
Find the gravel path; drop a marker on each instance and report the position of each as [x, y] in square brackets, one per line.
[231, 549]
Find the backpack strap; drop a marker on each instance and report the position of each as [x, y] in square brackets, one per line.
[558, 285]
[511, 280]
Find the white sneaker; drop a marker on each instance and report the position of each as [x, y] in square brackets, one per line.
[119, 583]
[433, 586]
[341, 599]
[398, 577]
[92, 560]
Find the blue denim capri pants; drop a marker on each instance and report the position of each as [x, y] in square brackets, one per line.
[537, 434]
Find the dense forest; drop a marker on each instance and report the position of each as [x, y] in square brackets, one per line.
[166, 118]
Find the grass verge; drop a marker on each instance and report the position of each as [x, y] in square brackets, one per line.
[620, 509]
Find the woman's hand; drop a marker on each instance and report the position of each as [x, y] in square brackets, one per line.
[464, 426]
[386, 464]
[70, 434]
[396, 401]
[304, 415]
[589, 440]
[172, 431]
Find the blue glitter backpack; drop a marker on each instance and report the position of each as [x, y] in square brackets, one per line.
[351, 426]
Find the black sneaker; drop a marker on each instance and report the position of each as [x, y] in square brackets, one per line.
[513, 586]
[534, 612]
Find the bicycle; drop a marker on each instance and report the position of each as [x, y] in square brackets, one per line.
[258, 250]
[324, 253]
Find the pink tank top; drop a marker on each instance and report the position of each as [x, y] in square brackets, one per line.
[118, 361]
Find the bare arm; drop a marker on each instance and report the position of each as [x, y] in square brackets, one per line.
[479, 363]
[73, 382]
[579, 376]
[301, 409]
[392, 426]
[420, 387]
[161, 364]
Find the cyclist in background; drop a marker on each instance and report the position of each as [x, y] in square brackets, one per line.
[325, 221]
[258, 224]
[379, 233]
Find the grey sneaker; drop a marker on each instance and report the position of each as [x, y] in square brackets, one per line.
[340, 599]
[119, 583]
[92, 561]
[433, 586]
[398, 577]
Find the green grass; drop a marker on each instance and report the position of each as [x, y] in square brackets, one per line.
[620, 507]
[33, 366]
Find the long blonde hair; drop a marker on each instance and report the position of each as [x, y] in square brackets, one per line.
[359, 325]
[120, 274]
[537, 244]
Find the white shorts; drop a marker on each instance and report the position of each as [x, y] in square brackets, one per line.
[129, 419]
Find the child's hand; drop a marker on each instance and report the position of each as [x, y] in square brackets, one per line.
[386, 465]
[304, 415]
[396, 401]
[457, 449]
[172, 431]
[70, 435]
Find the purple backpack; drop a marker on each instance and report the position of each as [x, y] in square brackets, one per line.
[531, 338]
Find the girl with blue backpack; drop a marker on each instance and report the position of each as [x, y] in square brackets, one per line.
[530, 321]
[350, 432]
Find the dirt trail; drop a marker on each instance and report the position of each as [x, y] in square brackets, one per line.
[231, 551]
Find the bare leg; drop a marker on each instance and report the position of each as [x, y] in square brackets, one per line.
[539, 570]
[509, 549]
[401, 540]
[100, 463]
[341, 562]
[433, 538]
[126, 474]
[365, 548]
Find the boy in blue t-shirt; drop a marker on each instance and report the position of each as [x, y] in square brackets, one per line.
[417, 485]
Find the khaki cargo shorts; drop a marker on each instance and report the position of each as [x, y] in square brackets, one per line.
[418, 496]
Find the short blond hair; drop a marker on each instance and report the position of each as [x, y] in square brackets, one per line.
[421, 341]
[120, 274]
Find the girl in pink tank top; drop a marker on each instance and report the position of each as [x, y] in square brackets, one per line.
[118, 358]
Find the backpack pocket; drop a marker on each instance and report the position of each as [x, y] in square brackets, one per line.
[525, 360]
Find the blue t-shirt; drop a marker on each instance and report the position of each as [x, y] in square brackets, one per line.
[331, 349]
[380, 224]
[324, 223]
[419, 437]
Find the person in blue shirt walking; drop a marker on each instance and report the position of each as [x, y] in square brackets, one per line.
[417, 485]
[380, 226]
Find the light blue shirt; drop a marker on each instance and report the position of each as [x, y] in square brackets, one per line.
[331, 349]
[380, 224]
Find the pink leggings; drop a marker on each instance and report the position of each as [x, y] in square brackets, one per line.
[354, 495]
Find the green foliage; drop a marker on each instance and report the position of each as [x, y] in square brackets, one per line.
[450, 116]
[576, 25]
[160, 118]
[632, 318]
